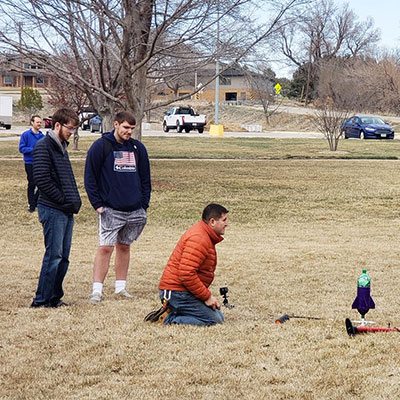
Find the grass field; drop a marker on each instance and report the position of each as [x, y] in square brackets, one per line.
[208, 147]
[301, 230]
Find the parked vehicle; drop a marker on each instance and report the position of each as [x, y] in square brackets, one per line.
[48, 123]
[367, 127]
[184, 118]
[95, 124]
[85, 116]
[6, 111]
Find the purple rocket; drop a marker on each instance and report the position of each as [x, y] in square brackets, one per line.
[363, 302]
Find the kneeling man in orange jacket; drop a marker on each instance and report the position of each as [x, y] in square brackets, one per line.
[190, 271]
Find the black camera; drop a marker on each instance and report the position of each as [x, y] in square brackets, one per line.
[223, 291]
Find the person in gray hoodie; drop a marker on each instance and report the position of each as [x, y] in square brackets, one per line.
[58, 201]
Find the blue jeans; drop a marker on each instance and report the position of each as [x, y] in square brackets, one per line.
[188, 309]
[57, 231]
[33, 193]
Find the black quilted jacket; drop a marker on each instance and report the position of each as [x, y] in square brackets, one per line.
[54, 177]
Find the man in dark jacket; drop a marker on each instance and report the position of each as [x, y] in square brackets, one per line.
[26, 144]
[58, 201]
[118, 184]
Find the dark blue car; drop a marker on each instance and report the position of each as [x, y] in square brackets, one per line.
[95, 124]
[366, 127]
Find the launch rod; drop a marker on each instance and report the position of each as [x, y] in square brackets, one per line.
[286, 317]
[353, 330]
[361, 329]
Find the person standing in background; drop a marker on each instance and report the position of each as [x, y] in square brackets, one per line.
[26, 144]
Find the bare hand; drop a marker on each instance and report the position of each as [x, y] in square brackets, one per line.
[213, 303]
[100, 210]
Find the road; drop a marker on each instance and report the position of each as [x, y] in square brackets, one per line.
[15, 132]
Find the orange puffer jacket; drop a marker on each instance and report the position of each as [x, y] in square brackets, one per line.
[192, 264]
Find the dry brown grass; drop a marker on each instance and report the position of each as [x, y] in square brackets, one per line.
[300, 232]
[208, 147]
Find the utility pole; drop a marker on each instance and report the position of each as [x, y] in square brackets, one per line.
[217, 71]
[21, 75]
[217, 129]
[308, 73]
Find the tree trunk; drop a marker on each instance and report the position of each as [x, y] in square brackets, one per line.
[337, 139]
[106, 110]
[265, 104]
[137, 26]
[108, 123]
[76, 141]
[308, 74]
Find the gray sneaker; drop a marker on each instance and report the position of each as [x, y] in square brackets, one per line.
[95, 298]
[124, 293]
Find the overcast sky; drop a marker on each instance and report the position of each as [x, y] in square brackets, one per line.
[386, 15]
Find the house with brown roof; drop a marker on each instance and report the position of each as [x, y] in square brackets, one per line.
[17, 71]
[234, 85]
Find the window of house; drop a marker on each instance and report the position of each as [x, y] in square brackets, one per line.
[230, 96]
[224, 80]
[39, 80]
[8, 80]
[35, 66]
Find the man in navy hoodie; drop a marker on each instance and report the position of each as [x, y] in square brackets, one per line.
[26, 145]
[118, 184]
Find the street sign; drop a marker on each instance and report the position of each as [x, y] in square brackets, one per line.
[278, 88]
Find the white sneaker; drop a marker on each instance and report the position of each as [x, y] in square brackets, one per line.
[95, 298]
[124, 293]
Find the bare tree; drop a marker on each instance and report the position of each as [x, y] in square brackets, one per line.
[261, 83]
[323, 32]
[64, 94]
[176, 70]
[376, 83]
[328, 119]
[336, 100]
[117, 46]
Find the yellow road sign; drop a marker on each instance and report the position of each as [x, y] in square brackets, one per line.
[278, 88]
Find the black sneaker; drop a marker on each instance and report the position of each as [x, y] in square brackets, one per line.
[60, 303]
[39, 305]
[158, 315]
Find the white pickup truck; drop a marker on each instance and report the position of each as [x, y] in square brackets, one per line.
[6, 110]
[184, 118]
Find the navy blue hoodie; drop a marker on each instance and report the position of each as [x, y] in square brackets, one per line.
[118, 175]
